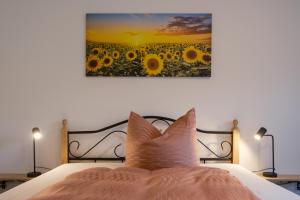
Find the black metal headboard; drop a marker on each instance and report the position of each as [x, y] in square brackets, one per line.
[228, 157]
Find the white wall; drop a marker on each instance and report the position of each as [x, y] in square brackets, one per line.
[254, 78]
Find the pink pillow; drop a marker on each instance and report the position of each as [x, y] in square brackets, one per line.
[147, 148]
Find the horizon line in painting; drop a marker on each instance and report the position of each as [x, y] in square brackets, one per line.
[148, 45]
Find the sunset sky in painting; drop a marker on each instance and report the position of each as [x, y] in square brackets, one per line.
[138, 29]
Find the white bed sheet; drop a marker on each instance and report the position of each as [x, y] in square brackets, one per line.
[262, 188]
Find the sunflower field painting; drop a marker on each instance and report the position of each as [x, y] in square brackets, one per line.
[155, 45]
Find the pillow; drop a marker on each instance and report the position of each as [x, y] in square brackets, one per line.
[147, 148]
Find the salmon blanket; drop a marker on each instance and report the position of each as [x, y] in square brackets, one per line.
[125, 183]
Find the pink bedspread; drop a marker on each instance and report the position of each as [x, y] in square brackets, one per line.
[188, 183]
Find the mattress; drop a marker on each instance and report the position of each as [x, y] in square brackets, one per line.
[261, 187]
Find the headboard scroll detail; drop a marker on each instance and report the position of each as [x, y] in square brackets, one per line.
[67, 155]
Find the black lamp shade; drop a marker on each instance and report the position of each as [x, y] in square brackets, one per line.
[261, 132]
[35, 130]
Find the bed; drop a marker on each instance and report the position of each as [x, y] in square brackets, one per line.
[228, 161]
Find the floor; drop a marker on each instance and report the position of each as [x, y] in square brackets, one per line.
[291, 187]
[10, 185]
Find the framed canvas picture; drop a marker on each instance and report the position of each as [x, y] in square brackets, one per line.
[141, 45]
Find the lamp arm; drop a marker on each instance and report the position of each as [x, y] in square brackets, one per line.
[273, 162]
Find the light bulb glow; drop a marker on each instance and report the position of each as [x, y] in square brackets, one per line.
[258, 137]
[37, 135]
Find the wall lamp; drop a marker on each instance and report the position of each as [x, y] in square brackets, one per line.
[36, 133]
[261, 133]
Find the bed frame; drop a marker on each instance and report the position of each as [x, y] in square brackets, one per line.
[67, 156]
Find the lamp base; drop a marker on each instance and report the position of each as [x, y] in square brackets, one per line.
[269, 174]
[33, 174]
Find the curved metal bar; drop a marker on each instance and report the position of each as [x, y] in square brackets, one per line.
[230, 152]
[78, 144]
[115, 151]
[146, 117]
[160, 120]
[218, 156]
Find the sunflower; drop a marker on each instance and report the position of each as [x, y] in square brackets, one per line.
[153, 65]
[162, 56]
[115, 54]
[205, 58]
[131, 55]
[104, 52]
[96, 51]
[177, 53]
[93, 64]
[107, 61]
[169, 55]
[190, 54]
